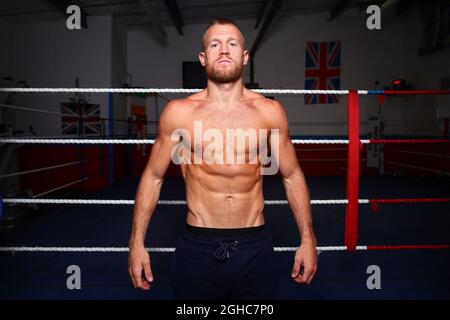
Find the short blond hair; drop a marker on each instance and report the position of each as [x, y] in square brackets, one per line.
[221, 21]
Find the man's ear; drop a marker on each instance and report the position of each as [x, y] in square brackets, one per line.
[245, 57]
[201, 57]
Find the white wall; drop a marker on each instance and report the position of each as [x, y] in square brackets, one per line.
[363, 61]
[153, 65]
[420, 112]
[280, 61]
[47, 54]
[118, 76]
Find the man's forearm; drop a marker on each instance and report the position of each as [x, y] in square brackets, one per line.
[299, 200]
[145, 203]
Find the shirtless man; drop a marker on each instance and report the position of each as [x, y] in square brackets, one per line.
[225, 250]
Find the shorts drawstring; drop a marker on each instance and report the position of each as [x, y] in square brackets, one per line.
[222, 251]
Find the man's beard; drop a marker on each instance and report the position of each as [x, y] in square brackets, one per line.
[224, 76]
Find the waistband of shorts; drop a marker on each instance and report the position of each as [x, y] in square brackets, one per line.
[251, 236]
[223, 232]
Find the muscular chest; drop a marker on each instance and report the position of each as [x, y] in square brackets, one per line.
[230, 136]
[241, 117]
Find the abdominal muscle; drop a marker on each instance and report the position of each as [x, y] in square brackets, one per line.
[224, 196]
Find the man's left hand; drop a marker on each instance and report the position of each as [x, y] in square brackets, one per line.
[305, 263]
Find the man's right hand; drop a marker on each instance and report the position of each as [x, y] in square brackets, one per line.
[139, 268]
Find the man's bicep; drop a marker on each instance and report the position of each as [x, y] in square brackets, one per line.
[160, 156]
[288, 162]
[288, 157]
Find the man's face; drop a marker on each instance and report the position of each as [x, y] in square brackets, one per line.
[223, 53]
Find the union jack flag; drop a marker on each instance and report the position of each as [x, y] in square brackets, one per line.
[322, 70]
[80, 119]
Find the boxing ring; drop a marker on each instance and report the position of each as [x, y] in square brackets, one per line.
[352, 201]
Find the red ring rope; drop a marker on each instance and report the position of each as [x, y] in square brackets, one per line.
[409, 140]
[374, 202]
[410, 247]
[415, 92]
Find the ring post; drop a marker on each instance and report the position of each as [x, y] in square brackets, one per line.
[351, 218]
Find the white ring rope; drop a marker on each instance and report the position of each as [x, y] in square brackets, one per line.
[29, 109]
[168, 90]
[40, 110]
[39, 169]
[60, 187]
[153, 249]
[151, 141]
[160, 202]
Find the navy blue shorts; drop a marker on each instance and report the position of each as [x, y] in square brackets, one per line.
[225, 264]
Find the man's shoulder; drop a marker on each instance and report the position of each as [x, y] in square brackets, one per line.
[178, 111]
[177, 104]
[185, 103]
[266, 105]
[270, 109]
[260, 100]
[180, 106]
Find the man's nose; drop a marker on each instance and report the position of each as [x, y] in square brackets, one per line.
[224, 50]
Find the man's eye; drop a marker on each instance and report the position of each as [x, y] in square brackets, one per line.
[214, 45]
[233, 44]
